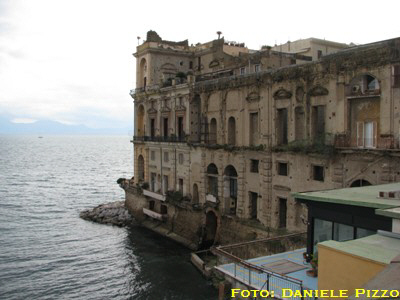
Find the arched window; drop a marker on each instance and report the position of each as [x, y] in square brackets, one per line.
[212, 174]
[360, 182]
[212, 139]
[143, 73]
[141, 168]
[365, 84]
[230, 189]
[140, 121]
[231, 131]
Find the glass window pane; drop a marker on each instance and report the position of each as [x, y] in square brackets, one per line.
[322, 232]
[342, 232]
[361, 232]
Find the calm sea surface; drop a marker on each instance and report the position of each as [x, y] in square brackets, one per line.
[48, 252]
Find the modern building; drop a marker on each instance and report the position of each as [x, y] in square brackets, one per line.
[356, 233]
[311, 47]
[353, 236]
[224, 134]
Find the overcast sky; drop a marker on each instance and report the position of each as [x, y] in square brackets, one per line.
[71, 60]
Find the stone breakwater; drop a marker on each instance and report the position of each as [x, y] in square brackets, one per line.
[113, 213]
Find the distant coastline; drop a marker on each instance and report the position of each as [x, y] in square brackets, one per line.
[46, 127]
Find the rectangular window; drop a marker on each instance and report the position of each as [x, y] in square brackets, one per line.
[153, 182]
[253, 205]
[283, 169]
[318, 123]
[165, 184]
[153, 155]
[190, 64]
[342, 232]
[254, 165]
[318, 173]
[166, 156]
[199, 63]
[180, 128]
[282, 212]
[299, 121]
[181, 185]
[282, 126]
[242, 71]
[396, 76]
[165, 127]
[257, 68]
[152, 127]
[319, 54]
[151, 205]
[322, 232]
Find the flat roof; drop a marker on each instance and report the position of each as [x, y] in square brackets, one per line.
[367, 196]
[377, 247]
[389, 212]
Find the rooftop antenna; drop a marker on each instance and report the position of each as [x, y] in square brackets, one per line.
[219, 34]
[138, 40]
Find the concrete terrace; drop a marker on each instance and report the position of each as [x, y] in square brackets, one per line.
[286, 261]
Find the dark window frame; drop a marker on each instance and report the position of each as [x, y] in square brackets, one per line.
[254, 166]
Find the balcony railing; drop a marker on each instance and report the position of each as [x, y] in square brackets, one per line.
[154, 195]
[149, 88]
[384, 142]
[154, 215]
[160, 139]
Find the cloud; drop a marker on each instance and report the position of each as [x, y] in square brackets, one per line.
[71, 60]
[23, 121]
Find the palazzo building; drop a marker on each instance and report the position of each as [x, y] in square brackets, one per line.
[224, 134]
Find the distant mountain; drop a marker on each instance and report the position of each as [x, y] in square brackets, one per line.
[51, 127]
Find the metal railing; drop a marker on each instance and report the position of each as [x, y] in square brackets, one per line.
[258, 277]
[383, 142]
[231, 262]
[160, 139]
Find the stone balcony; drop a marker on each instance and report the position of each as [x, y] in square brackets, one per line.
[154, 195]
[155, 215]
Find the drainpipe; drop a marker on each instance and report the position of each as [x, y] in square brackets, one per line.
[175, 166]
[161, 178]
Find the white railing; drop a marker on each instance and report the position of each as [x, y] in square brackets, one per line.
[153, 214]
[154, 195]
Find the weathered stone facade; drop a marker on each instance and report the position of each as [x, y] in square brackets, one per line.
[227, 134]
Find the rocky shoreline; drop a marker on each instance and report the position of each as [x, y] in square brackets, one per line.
[113, 213]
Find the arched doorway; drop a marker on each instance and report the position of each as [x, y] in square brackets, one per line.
[231, 131]
[195, 194]
[210, 229]
[140, 168]
[360, 182]
[230, 189]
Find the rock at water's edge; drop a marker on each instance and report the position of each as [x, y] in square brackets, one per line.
[113, 213]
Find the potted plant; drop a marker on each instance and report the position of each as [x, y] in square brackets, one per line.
[314, 265]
